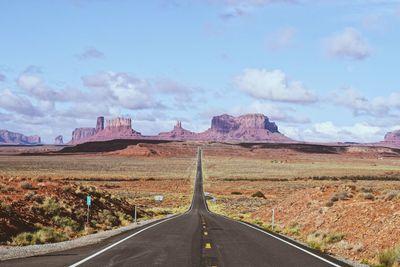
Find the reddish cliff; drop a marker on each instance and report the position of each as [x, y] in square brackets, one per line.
[392, 138]
[251, 127]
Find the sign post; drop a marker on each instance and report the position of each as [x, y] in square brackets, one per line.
[135, 214]
[88, 203]
[273, 219]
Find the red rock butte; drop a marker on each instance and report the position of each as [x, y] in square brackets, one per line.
[246, 128]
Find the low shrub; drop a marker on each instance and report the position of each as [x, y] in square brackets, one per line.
[236, 193]
[388, 257]
[258, 194]
[108, 218]
[65, 222]
[50, 207]
[42, 236]
[368, 196]
[26, 185]
[392, 194]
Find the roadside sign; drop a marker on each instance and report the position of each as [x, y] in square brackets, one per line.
[89, 200]
[159, 198]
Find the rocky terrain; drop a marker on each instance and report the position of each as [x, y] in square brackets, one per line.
[7, 137]
[251, 127]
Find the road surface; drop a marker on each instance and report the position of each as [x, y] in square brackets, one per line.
[196, 238]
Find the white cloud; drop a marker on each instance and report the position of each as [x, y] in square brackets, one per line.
[347, 44]
[16, 103]
[327, 131]
[361, 105]
[122, 89]
[282, 38]
[35, 86]
[273, 85]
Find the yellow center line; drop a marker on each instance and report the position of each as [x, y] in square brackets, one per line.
[208, 245]
[205, 233]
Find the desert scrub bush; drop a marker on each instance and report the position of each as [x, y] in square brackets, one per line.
[65, 222]
[4, 208]
[26, 185]
[50, 207]
[108, 218]
[333, 237]
[124, 218]
[42, 236]
[368, 196]
[236, 193]
[388, 257]
[258, 194]
[392, 194]
[292, 230]
[320, 241]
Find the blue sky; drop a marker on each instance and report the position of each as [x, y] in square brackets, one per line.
[323, 70]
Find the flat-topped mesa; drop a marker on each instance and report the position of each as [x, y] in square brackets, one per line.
[250, 127]
[8, 137]
[119, 122]
[116, 128]
[226, 123]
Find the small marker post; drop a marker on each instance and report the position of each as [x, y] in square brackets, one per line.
[135, 215]
[273, 219]
[88, 203]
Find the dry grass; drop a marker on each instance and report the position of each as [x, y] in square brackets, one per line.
[95, 167]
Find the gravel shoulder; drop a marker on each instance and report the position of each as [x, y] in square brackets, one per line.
[13, 252]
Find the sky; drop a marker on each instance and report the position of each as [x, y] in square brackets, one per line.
[323, 70]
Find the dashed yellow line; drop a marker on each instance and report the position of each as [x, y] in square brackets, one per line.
[205, 233]
[208, 245]
[204, 227]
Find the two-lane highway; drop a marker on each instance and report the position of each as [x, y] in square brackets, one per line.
[195, 238]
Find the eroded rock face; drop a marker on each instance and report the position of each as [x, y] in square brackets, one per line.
[250, 127]
[393, 137]
[246, 128]
[226, 123]
[79, 135]
[178, 133]
[7, 137]
[59, 140]
[116, 128]
[100, 124]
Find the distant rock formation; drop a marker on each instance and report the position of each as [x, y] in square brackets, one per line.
[116, 128]
[250, 127]
[7, 137]
[392, 138]
[178, 133]
[59, 140]
[246, 128]
[79, 135]
[100, 124]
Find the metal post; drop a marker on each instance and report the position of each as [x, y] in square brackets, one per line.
[135, 215]
[88, 211]
[273, 219]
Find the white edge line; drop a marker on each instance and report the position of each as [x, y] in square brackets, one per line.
[291, 244]
[276, 237]
[120, 241]
[132, 235]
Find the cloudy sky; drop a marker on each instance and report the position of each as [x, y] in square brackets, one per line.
[323, 70]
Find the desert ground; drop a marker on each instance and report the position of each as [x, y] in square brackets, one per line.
[343, 200]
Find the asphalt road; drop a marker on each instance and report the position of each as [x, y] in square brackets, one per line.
[196, 238]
